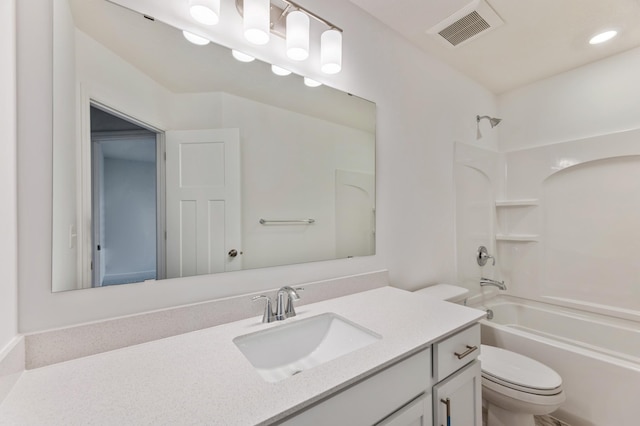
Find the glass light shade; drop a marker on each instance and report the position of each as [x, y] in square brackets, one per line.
[602, 37]
[195, 39]
[331, 51]
[279, 70]
[242, 57]
[311, 82]
[257, 17]
[206, 12]
[297, 35]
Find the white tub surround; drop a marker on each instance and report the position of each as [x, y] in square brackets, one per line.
[596, 356]
[201, 377]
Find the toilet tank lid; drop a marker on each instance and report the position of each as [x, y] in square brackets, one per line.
[448, 292]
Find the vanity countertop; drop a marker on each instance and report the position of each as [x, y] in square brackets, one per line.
[202, 377]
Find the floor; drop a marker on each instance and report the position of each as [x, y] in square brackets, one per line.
[549, 421]
[540, 420]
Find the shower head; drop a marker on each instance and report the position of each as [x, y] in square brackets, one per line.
[493, 121]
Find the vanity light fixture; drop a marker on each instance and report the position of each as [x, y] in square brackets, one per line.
[195, 39]
[257, 21]
[279, 70]
[297, 35]
[331, 51]
[603, 36]
[292, 22]
[242, 57]
[206, 12]
[311, 82]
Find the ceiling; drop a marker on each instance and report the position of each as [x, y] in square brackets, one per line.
[539, 38]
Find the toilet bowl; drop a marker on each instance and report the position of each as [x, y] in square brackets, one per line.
[514, 387]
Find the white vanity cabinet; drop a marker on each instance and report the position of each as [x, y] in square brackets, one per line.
[399, 395]
[415, 413]
[409, 393]
[457, 399]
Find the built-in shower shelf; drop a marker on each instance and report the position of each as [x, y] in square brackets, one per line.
[517, 203]
[524, 238]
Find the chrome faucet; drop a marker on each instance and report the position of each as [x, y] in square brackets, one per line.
[284, 304]
[268, 315]
[284, 309]
[487, 281]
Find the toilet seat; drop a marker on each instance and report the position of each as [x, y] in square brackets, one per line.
[516, 387]
[518, 372]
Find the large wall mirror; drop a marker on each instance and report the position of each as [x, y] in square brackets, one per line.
[173, 159]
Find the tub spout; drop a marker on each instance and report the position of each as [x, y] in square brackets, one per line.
[487, 281]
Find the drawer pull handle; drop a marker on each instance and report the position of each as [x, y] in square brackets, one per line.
[465, 353]
[447, 402]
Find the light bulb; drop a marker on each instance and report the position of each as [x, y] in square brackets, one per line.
[297, 35]
[206, 12]
[279, 70]
[311, 82]
[331, 51]
[257, 21]
[242, 57]
[195, 39]
[602, 37]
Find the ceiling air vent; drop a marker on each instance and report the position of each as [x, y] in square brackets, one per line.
[467, 24]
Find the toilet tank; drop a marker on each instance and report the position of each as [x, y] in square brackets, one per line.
[448, 292]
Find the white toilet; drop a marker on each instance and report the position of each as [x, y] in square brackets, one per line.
[514, 387]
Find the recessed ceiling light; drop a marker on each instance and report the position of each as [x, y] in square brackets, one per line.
[602, 37]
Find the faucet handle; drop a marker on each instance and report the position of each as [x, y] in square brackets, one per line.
[268, 309]
[289, 310]
[483, 255]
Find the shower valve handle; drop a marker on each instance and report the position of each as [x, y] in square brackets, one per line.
[483, 255]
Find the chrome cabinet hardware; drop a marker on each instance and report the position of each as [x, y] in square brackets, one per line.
[447, 403]
[465, 353]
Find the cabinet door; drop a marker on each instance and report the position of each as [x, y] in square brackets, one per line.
[461, 394]
[415, 413]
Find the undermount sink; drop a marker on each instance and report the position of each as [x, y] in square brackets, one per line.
[285, 350]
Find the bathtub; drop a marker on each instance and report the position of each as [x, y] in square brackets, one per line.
[597, 356]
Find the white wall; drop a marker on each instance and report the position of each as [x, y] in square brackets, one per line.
[8, 249]
[596, 99]
[423, 106]
[289, 173]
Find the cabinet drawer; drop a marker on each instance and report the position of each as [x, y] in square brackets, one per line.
[455, 352]
[372, 399]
